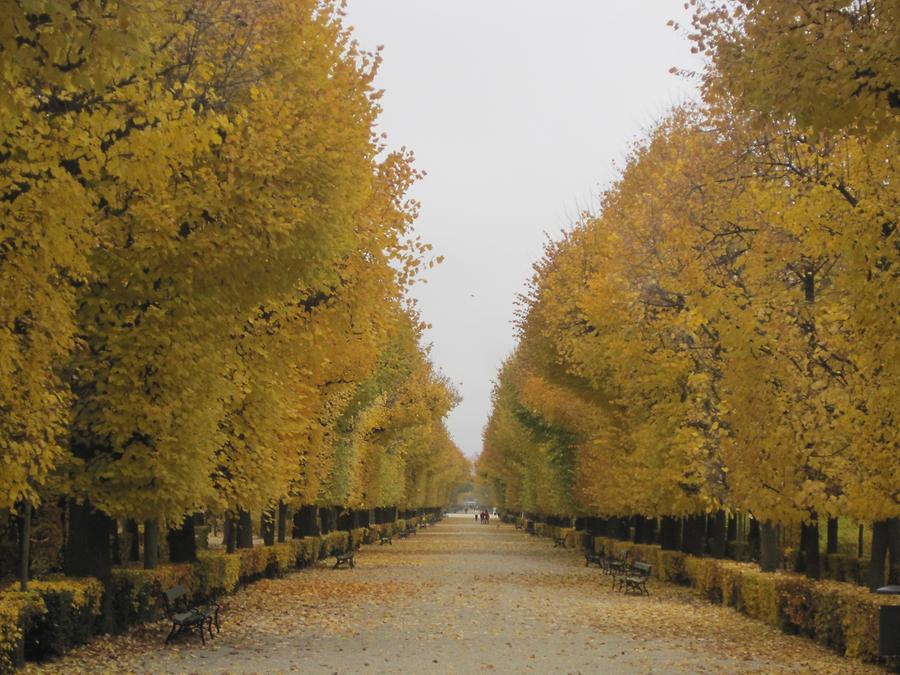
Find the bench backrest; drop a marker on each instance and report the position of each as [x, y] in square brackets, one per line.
[643, 568]
[175, 594]
[173, 598]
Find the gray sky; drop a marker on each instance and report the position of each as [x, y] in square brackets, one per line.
[517, 110]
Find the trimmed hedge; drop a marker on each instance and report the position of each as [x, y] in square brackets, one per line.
[839, 615]
[53, 616]
[59, 613]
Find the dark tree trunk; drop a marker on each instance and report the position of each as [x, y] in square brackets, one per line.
[327, 518]
[282, 521]
[182, 542]
[859, 541]
[134, 540]
[719, 537]
[732, 528]
[885, 540]
[116, 544]
[230, 532]
[880, 535]
[693, 540]
[24, 544]
[306, 522]
[754, 539]
[894, 548]
[649, 534]
[668, 533]
[88, 552]
[637, 534]
[267, 525]
[244, 529]
[812, 558]
[799, 562]
[618, 528]
[151, 544]
[831, 539]
[768, 547]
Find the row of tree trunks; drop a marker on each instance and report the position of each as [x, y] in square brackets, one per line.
[91, 542]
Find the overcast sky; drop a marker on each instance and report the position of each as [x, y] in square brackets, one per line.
[518, 111]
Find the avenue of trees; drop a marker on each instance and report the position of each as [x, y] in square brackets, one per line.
[205, 250]
[721, 336]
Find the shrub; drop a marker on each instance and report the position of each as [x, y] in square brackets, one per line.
[335, 542]
[282, 557]
[358, 536]
[254, 562]
[71, 608]
[136, 592]
[216, 572]
[703, 575]
[17, 611]
[846, 568]
[670, 566]
[309, 550]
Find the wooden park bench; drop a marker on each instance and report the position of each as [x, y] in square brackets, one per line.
[410, 529]
[385, 539]
[519, 526]
[636, 578]
[559, 542]
[403, 534]
[186, 616]
[345, 559]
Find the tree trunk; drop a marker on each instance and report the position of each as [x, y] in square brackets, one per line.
[649, 531]
[151, 544]
[880, 534]
[326, 517]
[306, 522]
[116, 544]
[894, 548]
[282, 521]
[731, 535]
[811, 555]
[244, 529]
[639, 522]
[668, 533]
[88, 552]
[754, 543]
[134, 540]
[719, 543]
[268, 528]
[768, 547]
[24, 544]
[182, 542]
[831, 540]
[799, 563]
[859, 541]
[230, 532]
[693, 541]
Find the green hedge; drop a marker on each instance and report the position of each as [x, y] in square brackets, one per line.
[59, 613]
[53, 616]
[841, 616]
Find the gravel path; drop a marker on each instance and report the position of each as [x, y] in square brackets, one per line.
[463, 598]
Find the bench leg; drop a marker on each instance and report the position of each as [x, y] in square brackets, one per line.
[172, 633]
